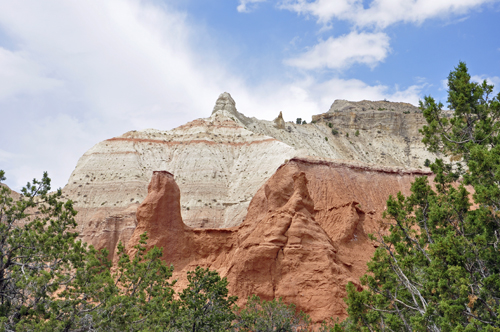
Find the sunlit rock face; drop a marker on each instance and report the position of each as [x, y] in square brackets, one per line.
[221, 161]
[218, 163]
[304, 238]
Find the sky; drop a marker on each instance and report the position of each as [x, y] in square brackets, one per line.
[74, 73]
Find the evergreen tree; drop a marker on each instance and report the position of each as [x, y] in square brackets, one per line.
[37, 249]
[438, 269]
[205, 304]
[50, 281]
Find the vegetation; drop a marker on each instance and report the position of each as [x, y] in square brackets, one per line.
[50, 281]
[438, 267]
[335, 132]
[356, 133]
[298, 121]
[270, 316]
[205, 304]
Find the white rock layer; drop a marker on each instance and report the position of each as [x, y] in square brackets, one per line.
[220, 162]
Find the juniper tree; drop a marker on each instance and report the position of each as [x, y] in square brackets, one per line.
[438, 267]
[50, 281]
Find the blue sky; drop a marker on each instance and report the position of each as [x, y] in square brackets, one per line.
[73, 73]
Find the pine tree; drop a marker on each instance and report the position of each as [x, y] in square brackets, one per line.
[438, 269]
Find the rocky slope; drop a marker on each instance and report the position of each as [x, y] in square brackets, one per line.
[379, 133]
[304, 238]
[221, 161]
[218, 163]
[281, 209]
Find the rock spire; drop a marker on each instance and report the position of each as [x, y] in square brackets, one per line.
[225, 103]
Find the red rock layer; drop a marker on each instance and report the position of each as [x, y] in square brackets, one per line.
[304, 237]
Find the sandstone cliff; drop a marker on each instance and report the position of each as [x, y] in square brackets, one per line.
[218, 163]
[218, 197]
[221, 161]
[303, 239]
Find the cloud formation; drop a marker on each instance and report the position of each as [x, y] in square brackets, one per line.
[247, 6]
[84, 71]
[381, 13]
[342, 52]
[19, 74]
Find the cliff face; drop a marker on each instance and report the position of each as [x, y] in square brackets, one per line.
[218, 163]
[303, 239]
[378, 133]
[218, 197]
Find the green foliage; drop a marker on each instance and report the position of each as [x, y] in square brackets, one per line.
[270, 316]
[356, 133]
[298, 121]
[326, 138]
[438, 269]
[335, 132]
[36, 250]
[346, 134]
[205, 304]
[49, 281]
[330, 124]
[304, 122]
[427, 163]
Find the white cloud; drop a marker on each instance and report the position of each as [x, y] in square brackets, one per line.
[495, 80]
[4, 155]
[307, 96]
[344, 51]
[381, 13]
[444, 84]
[247, 6]
[91, 70]
[19, 74]
[324, 10]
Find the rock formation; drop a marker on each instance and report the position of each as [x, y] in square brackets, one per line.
[221, 161]
[303, 239]
[218, 197]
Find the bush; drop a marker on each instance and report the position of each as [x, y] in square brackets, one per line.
[335, 131]
[356, 133]
[298, 121]
[270, 316]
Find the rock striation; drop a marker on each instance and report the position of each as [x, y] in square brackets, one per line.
[373, 132]
[221, 161]
[218, 163]
[304, 237]
[280, 209]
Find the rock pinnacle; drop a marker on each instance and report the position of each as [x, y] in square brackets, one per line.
[225, 102]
